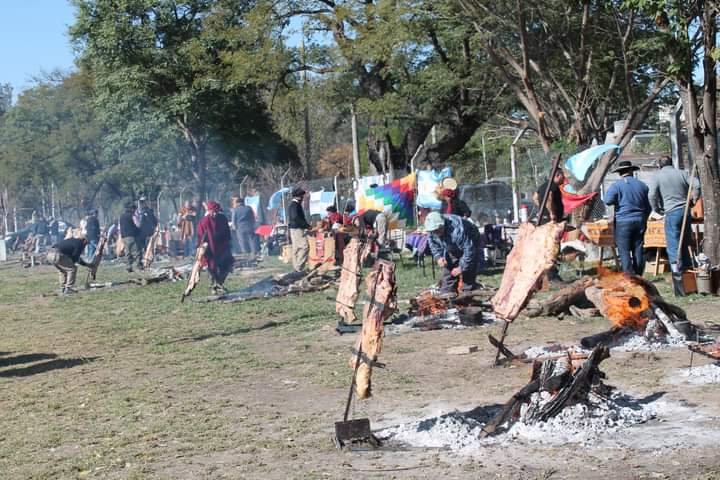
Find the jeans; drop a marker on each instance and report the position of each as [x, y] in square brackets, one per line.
[188, 246]
[673, 226]
[90, 252]
[246, 241]
[629, 238]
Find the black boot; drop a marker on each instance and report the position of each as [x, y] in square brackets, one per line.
[678, 287]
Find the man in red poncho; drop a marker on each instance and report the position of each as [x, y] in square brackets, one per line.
[215, 230]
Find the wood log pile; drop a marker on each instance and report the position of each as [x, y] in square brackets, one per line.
[567, 381]
[630, 303]
[431, 311]
[288, 284]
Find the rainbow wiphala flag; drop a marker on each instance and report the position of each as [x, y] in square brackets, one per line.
[396, 197]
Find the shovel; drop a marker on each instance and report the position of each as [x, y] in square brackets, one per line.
[357, 430]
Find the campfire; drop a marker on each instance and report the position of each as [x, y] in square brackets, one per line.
[633, 306]
[565, 401]
[433, 311]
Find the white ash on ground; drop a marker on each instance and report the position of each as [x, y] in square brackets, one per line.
[584, 423]
[628, 343]
[698, 375]
[640, 343]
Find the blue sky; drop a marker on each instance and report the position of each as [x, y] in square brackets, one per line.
[33, 39]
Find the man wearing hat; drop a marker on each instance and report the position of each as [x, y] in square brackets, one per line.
[455, 246]
[451, 204]
[298, 225]
[668, 194]
[629, 196]
[129, 231]
[65, 257]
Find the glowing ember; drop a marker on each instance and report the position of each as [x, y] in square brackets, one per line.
[427, 304]
[626, 302]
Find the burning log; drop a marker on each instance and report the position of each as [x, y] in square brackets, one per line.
[631, 303]
[381, 305]
[606, 338]
[560, 377]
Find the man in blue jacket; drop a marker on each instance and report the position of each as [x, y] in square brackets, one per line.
[455, 246]
[629, 196]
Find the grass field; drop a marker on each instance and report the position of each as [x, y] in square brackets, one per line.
[129, 383]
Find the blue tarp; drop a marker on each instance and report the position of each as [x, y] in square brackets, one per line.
[579, 164]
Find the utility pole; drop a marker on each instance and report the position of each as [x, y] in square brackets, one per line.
[52, 199]
[306, 111]
[355, 144]
[482, 138]
[513, 174]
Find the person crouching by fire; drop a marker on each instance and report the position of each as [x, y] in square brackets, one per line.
[65, 257]
[455, 244]
[215, 230]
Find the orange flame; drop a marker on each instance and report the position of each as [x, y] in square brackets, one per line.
[427, 304]
[626, 300]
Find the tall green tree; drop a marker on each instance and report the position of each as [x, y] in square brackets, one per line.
[159, 52]
[574, 67]
[406, 65]
[688, 33]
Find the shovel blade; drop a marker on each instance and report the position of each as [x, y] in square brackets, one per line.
[353, 430]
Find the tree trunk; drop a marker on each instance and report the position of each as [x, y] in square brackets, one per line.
[702, 139]
[198, 160]
[633, 122]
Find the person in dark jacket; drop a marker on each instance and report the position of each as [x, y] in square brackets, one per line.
[373, 223]
[215, 230]
[298, 225]
[67, 254]
[129, 231]
[629, 196]
[554, 211]
[146, 221]
[92, 229]
[40, 232]
[455, 245]
[242, 222]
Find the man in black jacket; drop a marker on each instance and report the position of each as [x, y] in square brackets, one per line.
[65, 257]
[146, 221]
[92, 229]
[130, 232]
[298, 225]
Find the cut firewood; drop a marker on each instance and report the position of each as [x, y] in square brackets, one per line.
[194, 277]
[462, 350]
[557, 376]
[572, 295]
[149, 255]
[582, 381]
